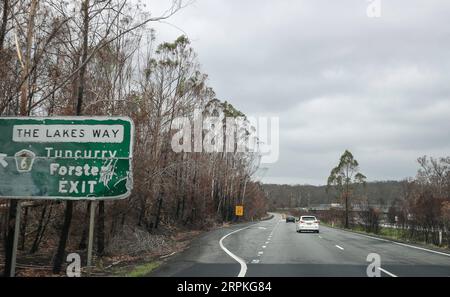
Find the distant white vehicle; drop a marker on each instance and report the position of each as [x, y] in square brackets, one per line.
[308, 223]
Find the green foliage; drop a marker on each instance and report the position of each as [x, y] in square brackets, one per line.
[181, 42]
[143, 270]
[346, 174]
[230, 111]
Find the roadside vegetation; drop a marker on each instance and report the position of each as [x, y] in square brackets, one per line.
[100, 58]
[418, 212]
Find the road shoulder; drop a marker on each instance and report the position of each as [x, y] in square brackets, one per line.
[395, 241]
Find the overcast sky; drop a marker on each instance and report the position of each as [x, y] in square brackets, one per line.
[336, 78]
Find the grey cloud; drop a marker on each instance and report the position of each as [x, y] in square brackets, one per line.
[336, 78]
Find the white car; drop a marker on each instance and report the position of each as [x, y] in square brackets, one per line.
[308, 223]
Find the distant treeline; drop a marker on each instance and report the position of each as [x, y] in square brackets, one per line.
[418, 208]
[382, 193]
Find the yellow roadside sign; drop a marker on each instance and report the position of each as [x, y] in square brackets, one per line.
[239, 210]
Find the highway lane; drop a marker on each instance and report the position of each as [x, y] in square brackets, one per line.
[273, 248]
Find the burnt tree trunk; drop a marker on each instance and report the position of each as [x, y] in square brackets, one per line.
[79, 103]
[158, 213]
[59, 257]
[23, 229]
[35, 245]
[23, 112]
[4, 23]
[84, 234]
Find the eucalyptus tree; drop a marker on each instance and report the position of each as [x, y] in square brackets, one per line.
[82, 57]
[47, 50]
[344, 177]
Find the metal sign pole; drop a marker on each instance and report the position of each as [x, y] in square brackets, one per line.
[12, 273]
[91, 236]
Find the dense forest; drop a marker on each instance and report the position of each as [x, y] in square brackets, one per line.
[101, 58]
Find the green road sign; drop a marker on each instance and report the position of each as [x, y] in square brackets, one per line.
[70, 158]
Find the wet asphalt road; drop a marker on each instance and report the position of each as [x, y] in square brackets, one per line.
[272, 248]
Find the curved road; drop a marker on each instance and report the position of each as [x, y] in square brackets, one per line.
[273, 248]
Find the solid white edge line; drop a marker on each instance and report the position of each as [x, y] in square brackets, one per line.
[165, 256]
[339, 247]
[423, 249]
[243, 270]
[399, 243]
[387, 272]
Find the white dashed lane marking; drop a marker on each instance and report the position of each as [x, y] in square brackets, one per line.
[387, 272]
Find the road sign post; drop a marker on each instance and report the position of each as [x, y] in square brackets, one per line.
[91, 236]
[65, 158]
[12, 272]
[239, 210]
